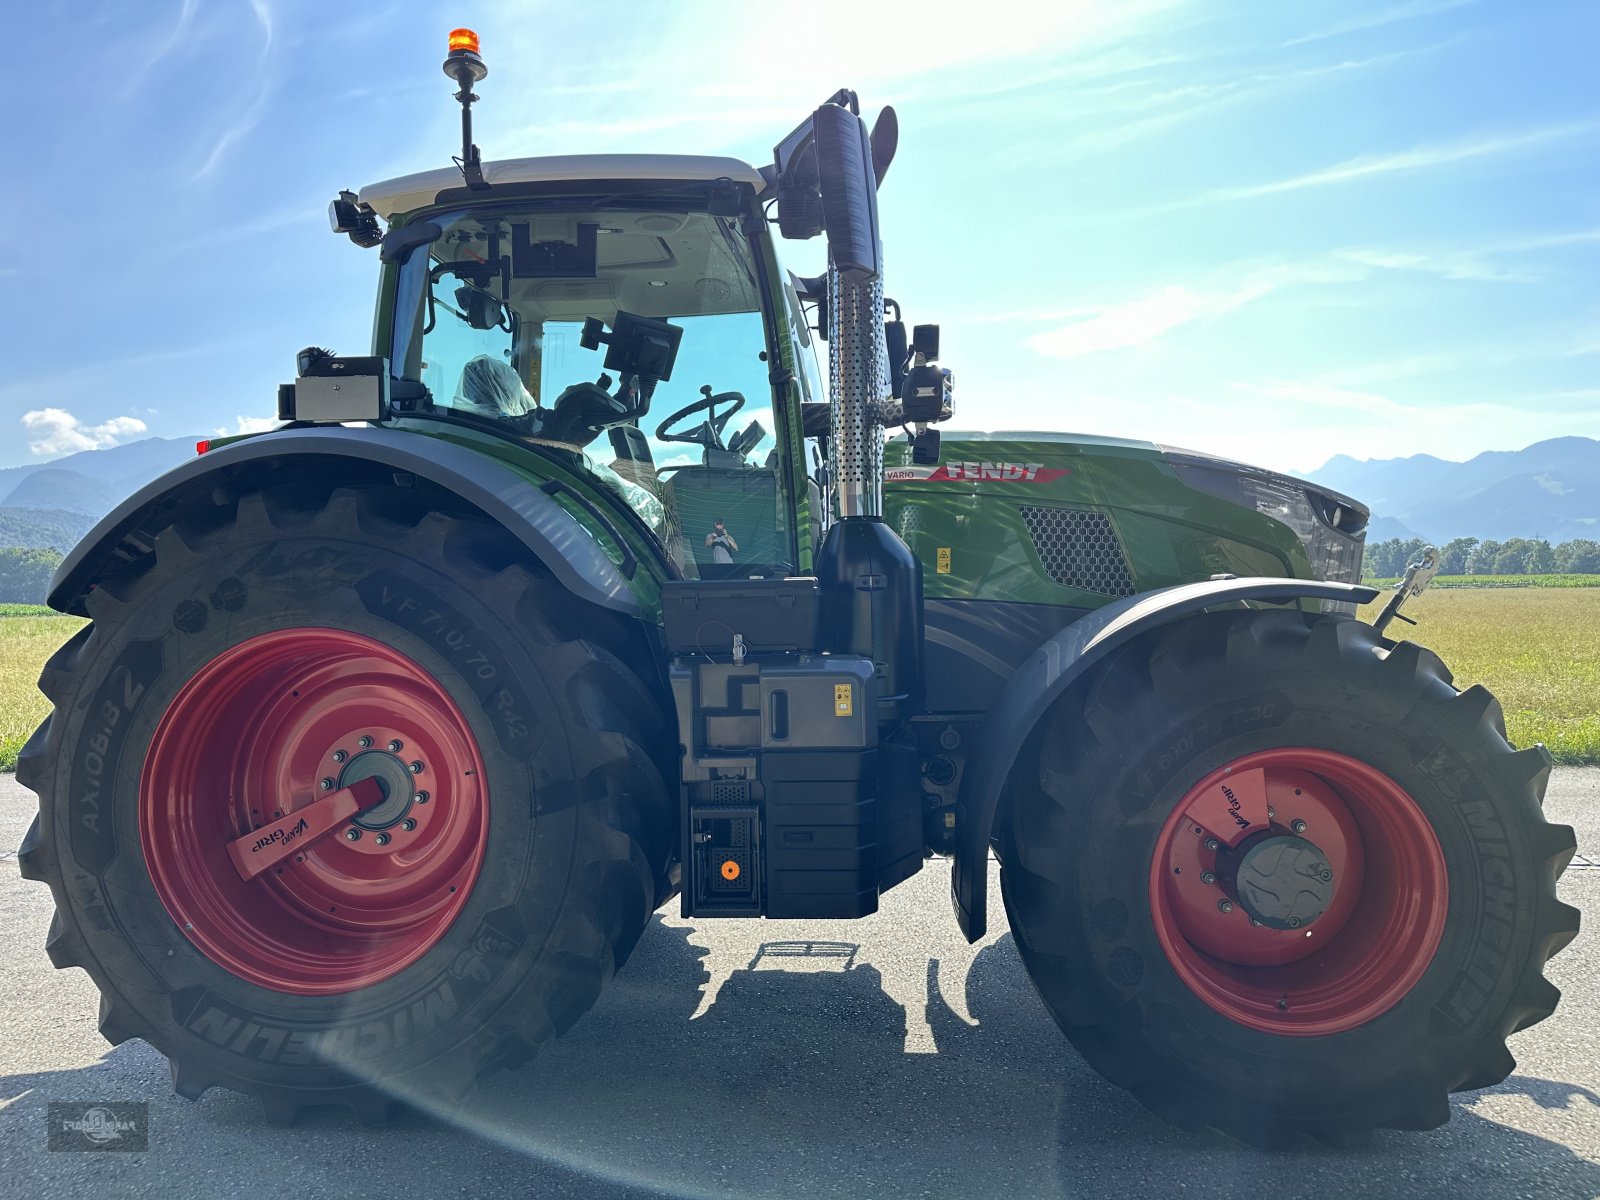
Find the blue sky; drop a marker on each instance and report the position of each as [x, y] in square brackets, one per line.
[1273, 230]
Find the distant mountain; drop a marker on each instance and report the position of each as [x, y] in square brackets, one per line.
[1381, 529]
[58, 488]
[1548, 490]
[42, 528]
[121, 468]
[51, 505]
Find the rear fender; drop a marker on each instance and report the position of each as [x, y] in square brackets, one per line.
[1045, 677]
[511, 500]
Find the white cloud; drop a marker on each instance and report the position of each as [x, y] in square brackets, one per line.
[1178, 106]
[170, 43]
[246, 425]
[1131, 324]
[55, 431]
[250, 117]
[1160, 310]
[1465, 267]
[1366, 166]
[1148, 317]
[1403, 12]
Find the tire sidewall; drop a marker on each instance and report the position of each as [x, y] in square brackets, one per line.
[491, 669]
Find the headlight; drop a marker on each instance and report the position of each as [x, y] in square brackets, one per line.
[1332, 528]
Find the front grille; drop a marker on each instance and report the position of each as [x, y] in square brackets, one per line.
[1079, 549]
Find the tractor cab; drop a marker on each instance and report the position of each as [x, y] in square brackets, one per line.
[617, 314]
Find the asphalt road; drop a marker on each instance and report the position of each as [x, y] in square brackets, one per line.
[747, 1058]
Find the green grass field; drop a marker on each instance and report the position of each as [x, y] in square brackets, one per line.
[25, 642]
[1502, 581]
[1538, 649]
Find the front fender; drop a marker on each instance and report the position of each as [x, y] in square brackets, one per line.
[510, 499]
[1048, 673]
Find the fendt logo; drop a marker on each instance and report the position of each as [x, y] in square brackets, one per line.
[975, 472]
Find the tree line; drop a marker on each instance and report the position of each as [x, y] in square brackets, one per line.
[25, 574]
[1469, 556]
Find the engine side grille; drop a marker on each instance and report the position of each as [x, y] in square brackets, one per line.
[1079, 549]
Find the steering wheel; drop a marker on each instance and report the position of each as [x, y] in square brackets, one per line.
[709, 432]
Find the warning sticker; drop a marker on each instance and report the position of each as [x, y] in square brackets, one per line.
[942, 560]
[844, 702]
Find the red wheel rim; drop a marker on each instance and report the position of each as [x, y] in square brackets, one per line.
[1362, 940]
[265, 729]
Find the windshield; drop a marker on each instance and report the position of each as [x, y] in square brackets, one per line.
[558, 328]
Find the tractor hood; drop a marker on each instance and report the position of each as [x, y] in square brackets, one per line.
[1018, 507]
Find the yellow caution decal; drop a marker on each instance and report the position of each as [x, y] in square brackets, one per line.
[844, 700]
[942, 560]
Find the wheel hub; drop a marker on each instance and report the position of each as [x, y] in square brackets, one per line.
[394, 777]
[1282, 881]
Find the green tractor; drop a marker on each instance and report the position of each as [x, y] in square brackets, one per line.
[394, 725]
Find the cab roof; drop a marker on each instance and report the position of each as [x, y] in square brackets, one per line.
[394, 196]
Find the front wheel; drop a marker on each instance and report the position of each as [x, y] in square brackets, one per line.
[1275, 875]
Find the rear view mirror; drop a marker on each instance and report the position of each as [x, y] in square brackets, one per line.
[894, 335]
[481, 310]
[827, 174]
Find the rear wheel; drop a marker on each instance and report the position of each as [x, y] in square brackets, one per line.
[1275, 875]
[262, 666]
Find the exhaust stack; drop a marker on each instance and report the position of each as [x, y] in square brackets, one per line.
[858, 381]
[870, 583]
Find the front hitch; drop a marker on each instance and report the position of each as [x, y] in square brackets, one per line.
[1419, 574]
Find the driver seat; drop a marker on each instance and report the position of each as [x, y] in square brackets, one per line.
[490, 386]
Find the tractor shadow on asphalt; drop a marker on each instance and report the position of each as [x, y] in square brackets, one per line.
[796, 1080]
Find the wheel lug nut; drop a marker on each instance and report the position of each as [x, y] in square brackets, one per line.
[1212, 844]
[408, 824]
[352, 834]
[382, 839]
[416, 767]
[339, 756]
[422, 797]
[1297, 825]
[396, 746]
[327, 785]
[1208, 876]
[1225, 906]
[365, 742]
